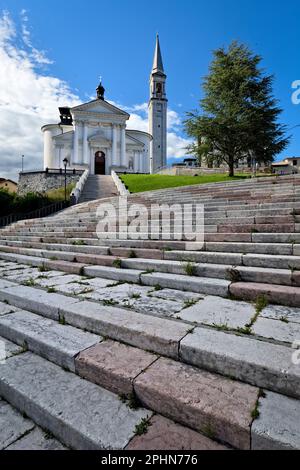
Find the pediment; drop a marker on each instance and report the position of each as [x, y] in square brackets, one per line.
[100, 107]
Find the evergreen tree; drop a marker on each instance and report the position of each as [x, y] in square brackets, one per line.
[239, 115]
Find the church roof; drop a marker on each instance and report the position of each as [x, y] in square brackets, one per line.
[100, 103]
[157, 62]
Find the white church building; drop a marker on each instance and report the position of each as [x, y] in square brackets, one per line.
[94, 135]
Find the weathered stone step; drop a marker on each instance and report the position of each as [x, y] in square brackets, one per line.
[275, 294]
[214, 270]
[236, 259]
[215, 257]
[91, 223]
[218, 271]
[80, 414]
[47, 338]
[256, 362]
[75, 257]
[151, 333]
[20, 433]
[204, 285]
[277, 427]
[247, 248]
[207, 403]
[163, 434]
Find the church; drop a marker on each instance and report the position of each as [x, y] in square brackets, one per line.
[94, 135]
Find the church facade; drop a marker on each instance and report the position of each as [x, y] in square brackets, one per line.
[94, 135]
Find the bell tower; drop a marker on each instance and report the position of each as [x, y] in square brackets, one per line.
[158, 105]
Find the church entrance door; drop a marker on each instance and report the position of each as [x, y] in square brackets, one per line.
[99, 163]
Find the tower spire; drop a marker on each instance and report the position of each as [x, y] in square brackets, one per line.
[158, 105]
[157, 62]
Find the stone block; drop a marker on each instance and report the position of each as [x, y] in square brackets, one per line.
[206, 402]
[278, 425]
[259, 363]
[113, 365]
[216, 311]
[80, 414]
[164, 434]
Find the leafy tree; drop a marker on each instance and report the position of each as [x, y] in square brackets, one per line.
[239, 115]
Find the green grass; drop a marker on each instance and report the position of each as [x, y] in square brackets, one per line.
[56, 195]
[139, 183]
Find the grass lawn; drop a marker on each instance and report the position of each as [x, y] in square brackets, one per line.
[56, 195]
[139, 183]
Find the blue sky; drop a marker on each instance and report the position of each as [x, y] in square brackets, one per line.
[115, 39]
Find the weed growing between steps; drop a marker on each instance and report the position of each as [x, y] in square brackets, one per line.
[79, 243]
[190, 269]
[142, 427]
[255, 413]
[130, 400]
[233, 275]
[117, 263]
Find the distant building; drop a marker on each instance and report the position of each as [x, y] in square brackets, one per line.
[10, 185]
[288, 166]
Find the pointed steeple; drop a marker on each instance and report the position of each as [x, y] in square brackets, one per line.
[157, 62]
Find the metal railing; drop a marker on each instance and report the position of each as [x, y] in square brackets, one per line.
[36, 214]
[54, 171]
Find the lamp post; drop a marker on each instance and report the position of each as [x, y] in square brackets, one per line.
[65, 162]
[22, 163]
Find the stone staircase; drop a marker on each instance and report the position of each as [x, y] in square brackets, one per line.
[97, 187]
[149, 344]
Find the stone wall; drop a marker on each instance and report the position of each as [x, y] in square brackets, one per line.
[40, 181]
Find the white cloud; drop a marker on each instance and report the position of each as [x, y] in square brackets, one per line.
[29, 98]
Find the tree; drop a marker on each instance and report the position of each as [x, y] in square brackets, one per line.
[239, 115]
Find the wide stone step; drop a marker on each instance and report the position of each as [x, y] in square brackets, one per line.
[204, 285]
[256, 362]
[243, 273]
[125, 370]
[219, 271]
[216, 253]
[275, 294]
[80, 414]
[20, 433]
[207, 403]
[277, 427]
[248, 359]
[152, 333]
[47, 338]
